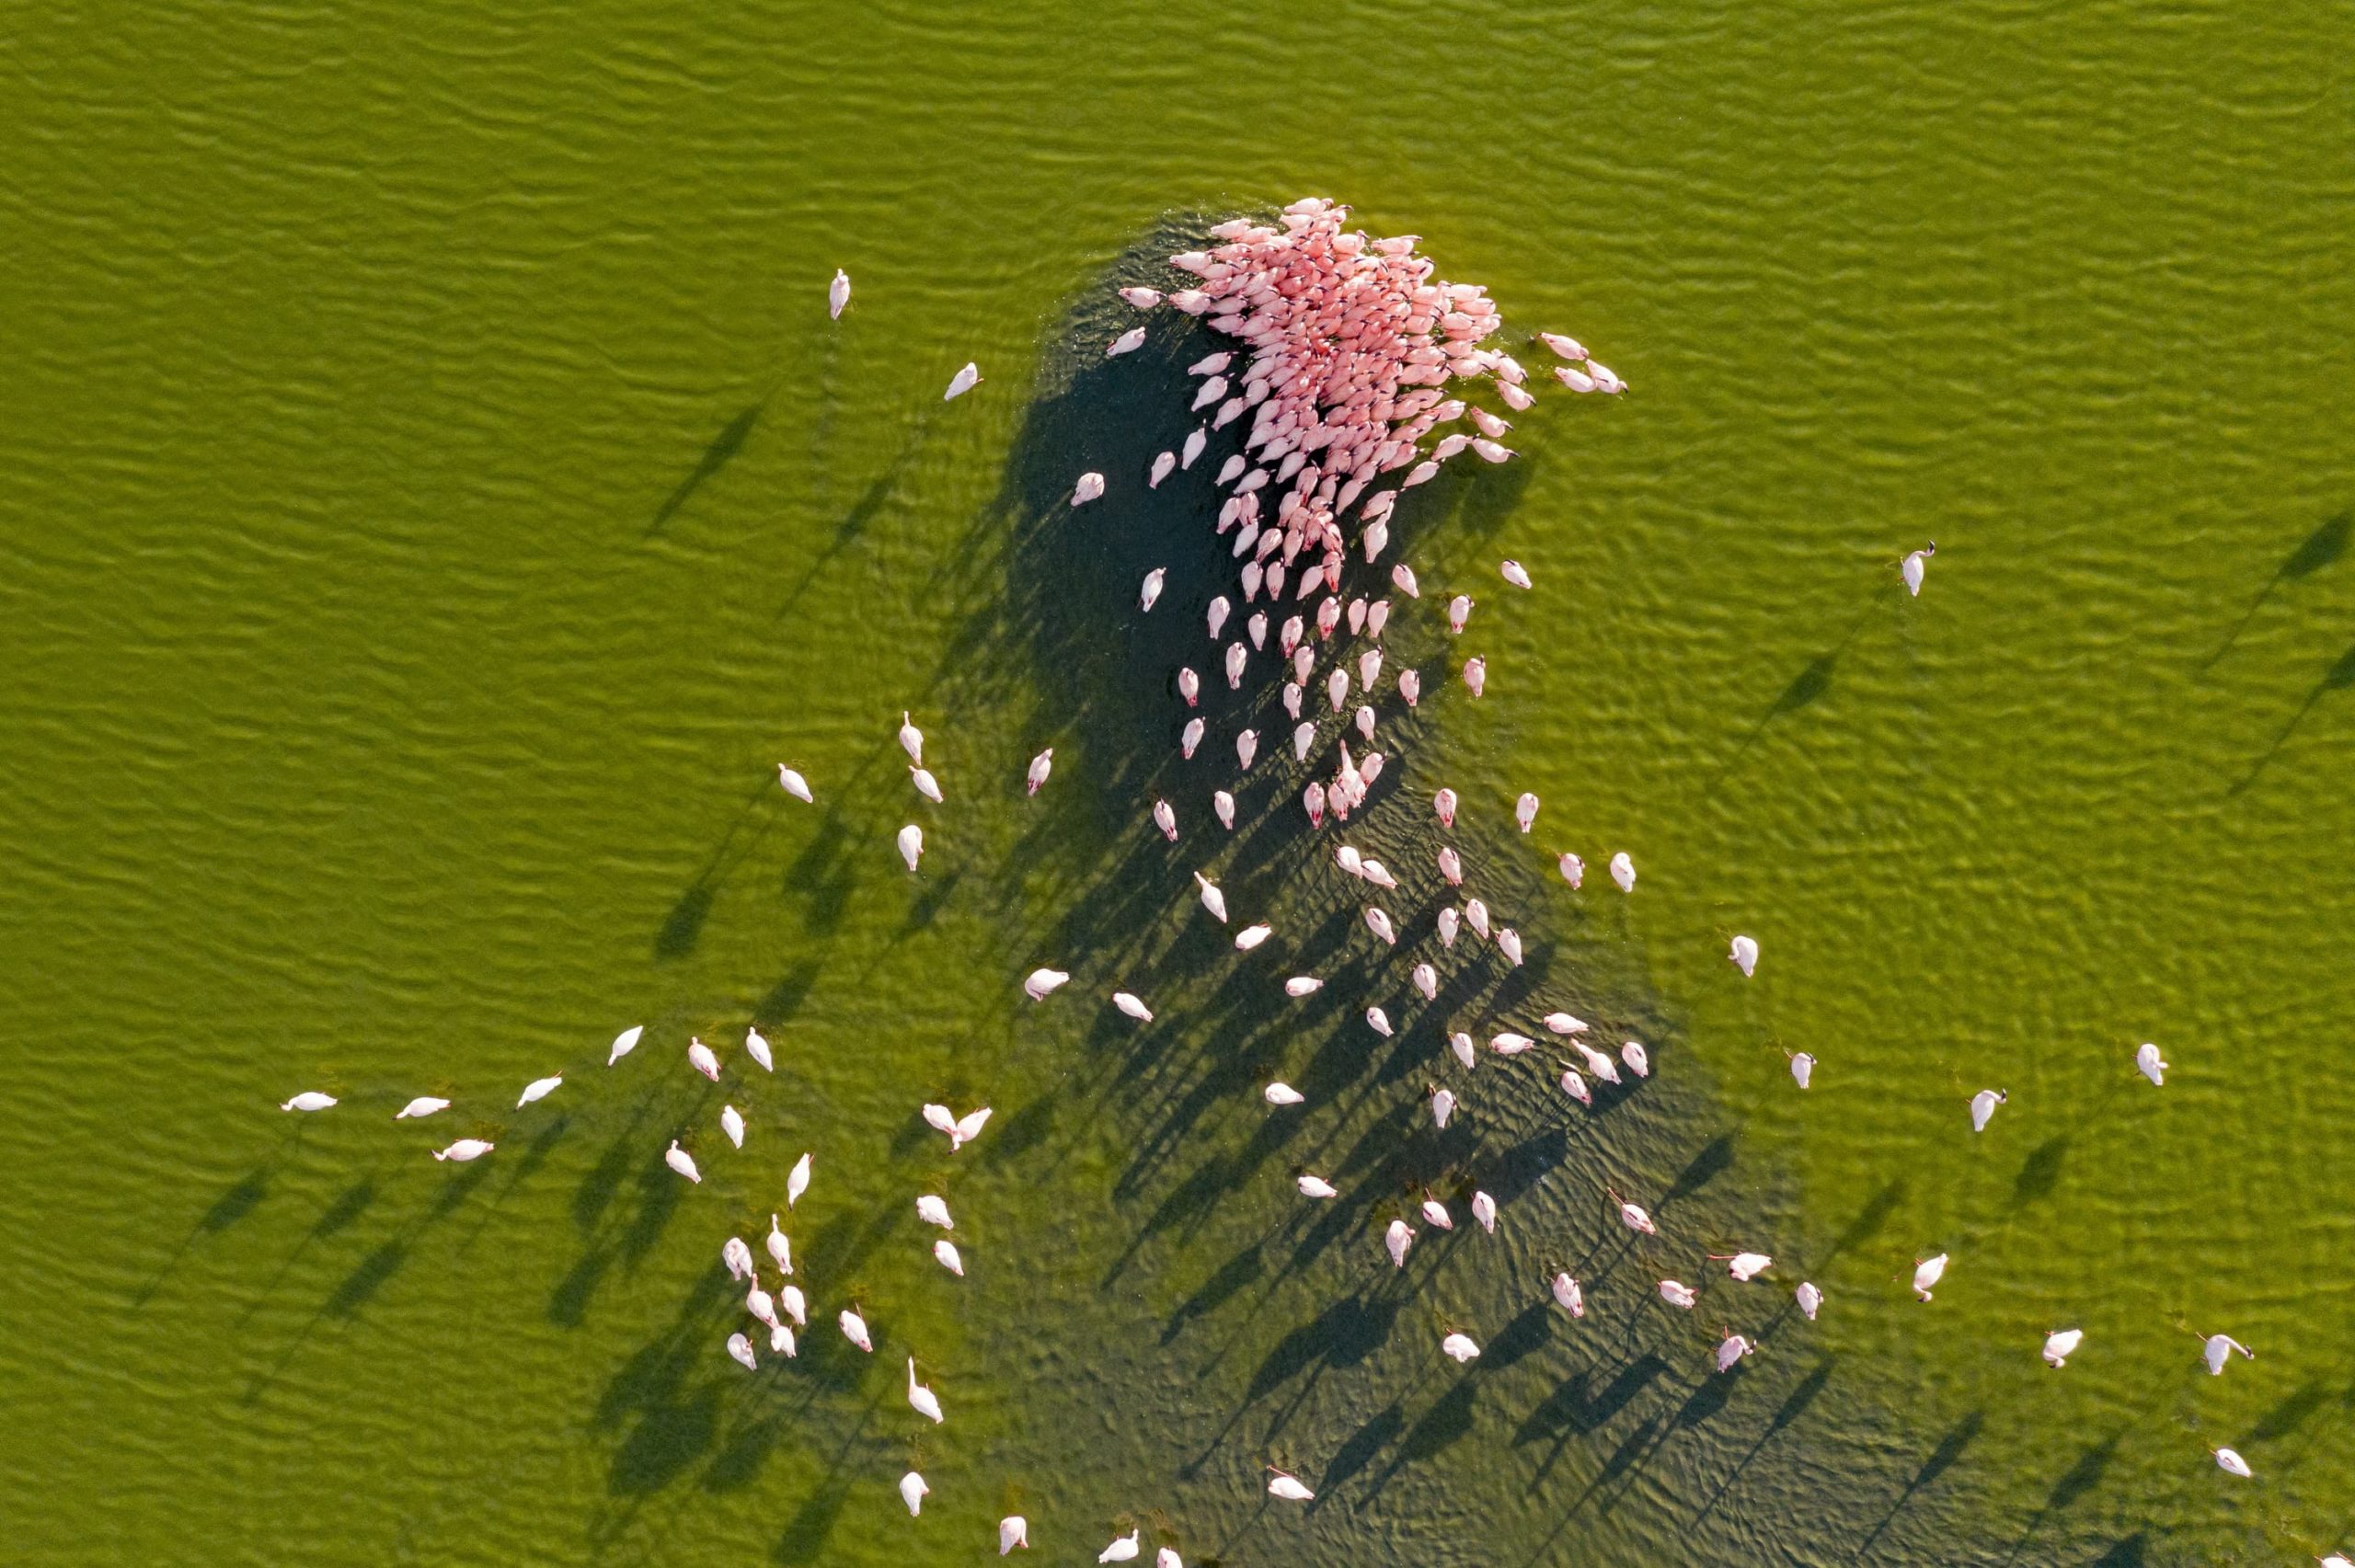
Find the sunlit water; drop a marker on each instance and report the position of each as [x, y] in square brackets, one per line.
[436, 501]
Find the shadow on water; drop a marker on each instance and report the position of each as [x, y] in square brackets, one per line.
[2339, 676]
[1942, 1458]
[1806, 688]
[715, 457]
[2321, 548]
[2040, 1172]
[233, 1203]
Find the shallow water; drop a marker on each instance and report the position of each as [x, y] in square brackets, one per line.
[436, 501]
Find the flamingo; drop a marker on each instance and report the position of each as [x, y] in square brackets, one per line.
[465, 1148]
[1743, 1266]
[922, 1399]
[1983, 1107]
[1927, 1274]
[1289, 1488]
[1128, 342]
[1449, 918]
[797, 1180]
[423, 1106]
[1459, 1349]
[1012, 1531]
[1378, 1021]
[1425, 978]
[1623, 872]
[1514, 572]
[1634, 1218]
[1569, 347]
[1132, 1005]
[837, 300]
[1444, 803]
[1744, 955]
[679, 1160]
[1914, 565]
[1166, 819]
[933, 1210]
[1315, 1186]
[1435, 1213]
[853, 1328]
[1396, 1239]
[1303, 984]
[1410, 686]
[1378, 922]
[1802, 1067]
[912, 1491]
[1222, 807]
[780, 1247]
[1810, 1298]
[539, 1088]
[1461, 1044]
[701, 1057]
[1283, 1095]
[1525, 811]
[1632, 1053]
[944, 1252]
[794, 784]
[911, 841]
[757, 1049]
[1677, 1294]
[731, 1122]
[741, 1349]
[1212, 899]
[2147, 1063]
[2218, 1348]
[625, 1043]
[926, 785]
[1730, 1350]
[1459, 610]
[2059, 1345]
[1443, 1107]
[2231, 1463]
[1484, 1210]
[1569, 1295]
[963, 382]
[1573, 869]
[1142, 298]
[1476, 675]
[310, 1100]
[1122, 1549]
[1042, 983]
[911, 738]
[1403, 577]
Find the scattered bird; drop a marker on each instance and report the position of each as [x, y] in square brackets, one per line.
[625, 1043]
[2231, 1463]
[1525, 811]
[1802, 1067]
[838, 294]
[1810, 1298]
[1677, 1294]
[912, 1491]
[1378, 1021]
[1634, 1218]
[1927, 1274]
[911, 842]
[1315, 1186]
[944, 1250]
[1284, 1094]
[757, 1047]
[853, 1328]
[922, 1399]
[1303, 984]
[1743, 1266]
[731, 1122]
[1435, 1213]
[1569, 1295]
[1150, 594]
[1983, 1107]
[539, 1088]
[1289, 1488]
[1042, 983]
[1459, 610]
[467, 1148]
[1123, 1550]
[963, 382]
[1515, 573]
[1459, 1349]
[1623, 872]
[2059, 1345]
[911, 738]
[1090, 486]
[700, 1058]
[741, 1349]
[1012, 1531]
[1132, 1005]
[1730, 1350]
[1166, 819]
[1212, 899]
[2219, 1348]
[1484, 1210]
[423, 1106]
[797, 1180]
[780, 1247]
[795, 784]
[309, 1100]
[1569, 347]
[1378, 922]
[1444, 803]
[1914, 565]
[2147, 1063]
[1397, 1239]
[1476, 675]
[679, 1160]
[933, 1210]
[926, 785]
[1632, 1053]
[1744, 955]
[1443, 1107]
[1128, 342]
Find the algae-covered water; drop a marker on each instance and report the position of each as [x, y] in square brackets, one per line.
[435, 500]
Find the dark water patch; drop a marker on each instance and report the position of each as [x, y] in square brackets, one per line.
[372, 1273]
[2040, 1172]
[665, 1442]
[805, 1535]
[2321, 548]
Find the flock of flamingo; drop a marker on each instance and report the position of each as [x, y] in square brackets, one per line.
[1347, 345]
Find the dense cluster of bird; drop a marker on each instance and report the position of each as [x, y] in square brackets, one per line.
[1348, 348]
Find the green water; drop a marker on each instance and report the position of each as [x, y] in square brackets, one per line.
[435, 500]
